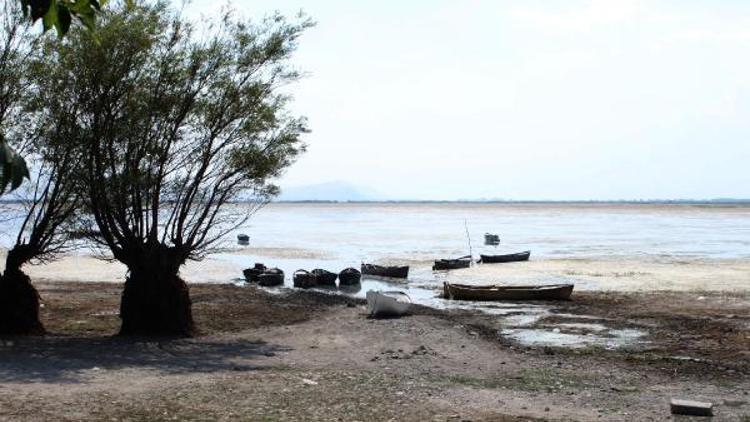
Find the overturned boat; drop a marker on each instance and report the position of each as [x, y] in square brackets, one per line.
[386, 271]
[498, 292]
[324, 278]
[271, 277]
[511, 257]
[349, 277]
[303, 279]
[387, 303]
[252, 274]
[452, 264]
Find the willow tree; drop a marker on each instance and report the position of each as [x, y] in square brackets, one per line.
[175, 124]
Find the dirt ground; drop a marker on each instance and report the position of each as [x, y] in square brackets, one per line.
[312, 356]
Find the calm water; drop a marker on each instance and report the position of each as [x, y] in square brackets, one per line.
[420, 232]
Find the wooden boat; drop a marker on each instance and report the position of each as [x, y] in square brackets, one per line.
[252, 274]
[491, 239]
[271, 277]
[493, 292]
[388, 303]
[349, 277]
[452, 264]
[511, 257]
[303, 279]
[383, 271]
[324, 278]
[243, 239]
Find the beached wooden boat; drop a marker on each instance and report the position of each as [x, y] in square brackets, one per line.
[252, 274]
[303, 279]
[243, 239]
[496, 292]
[511, 257]
[387, 303]
[324, 278]
[386, 271]
[452, 264]
[271, 277]
[349, 277]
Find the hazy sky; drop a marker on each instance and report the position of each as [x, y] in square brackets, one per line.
[524, 99]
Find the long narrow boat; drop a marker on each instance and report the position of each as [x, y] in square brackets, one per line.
[494, 292]
[382, 271]
[387, 303]
[511, 257]
[452, 264]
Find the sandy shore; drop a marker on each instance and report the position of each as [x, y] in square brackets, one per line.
[596, 274]
[308, 356]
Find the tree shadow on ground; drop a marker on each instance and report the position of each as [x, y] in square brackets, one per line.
[71, 359]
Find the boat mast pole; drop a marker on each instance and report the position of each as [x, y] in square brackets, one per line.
[471, 256]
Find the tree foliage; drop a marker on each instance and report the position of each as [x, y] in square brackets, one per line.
[59, 14]
[174, 125]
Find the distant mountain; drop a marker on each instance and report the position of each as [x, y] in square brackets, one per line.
[328, 191]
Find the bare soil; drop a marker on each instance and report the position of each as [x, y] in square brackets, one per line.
[312, 356]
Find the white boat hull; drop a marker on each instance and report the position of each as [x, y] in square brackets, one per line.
[391, 303]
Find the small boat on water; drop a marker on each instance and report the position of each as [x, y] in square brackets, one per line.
[324, 278]
[303, 279]
[387, 303]
[243, 239]
[252, 274]
[491, 239]
[271, 277]
[496, 292]
[452, 264]
[349, 277]
[386, 271]
[511, 257]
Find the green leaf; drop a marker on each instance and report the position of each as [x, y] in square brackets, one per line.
[50, 18]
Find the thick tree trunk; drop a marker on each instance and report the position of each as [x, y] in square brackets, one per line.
[156, 301]
[19, 305]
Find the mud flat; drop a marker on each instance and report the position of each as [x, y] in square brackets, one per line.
[311, 356]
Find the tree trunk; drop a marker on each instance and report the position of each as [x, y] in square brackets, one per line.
[19, 304]
[156, 301]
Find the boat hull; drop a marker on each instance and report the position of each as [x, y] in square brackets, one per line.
[349, 277]
[324, 278]
[450, 264]
[387, 304]
[490, 293]
[272, 277]
[381, 271]
[496, 259]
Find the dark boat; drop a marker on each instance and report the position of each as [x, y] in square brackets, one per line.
[271, 277]
[383, 271]
[324, 278]
[243, 239]
[303, 279]
[349, 277]
[484, 293]
[452, 264]
[511, 257]
[491, 239]
[252, 274]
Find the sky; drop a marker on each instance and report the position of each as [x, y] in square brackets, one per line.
[557, 100]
